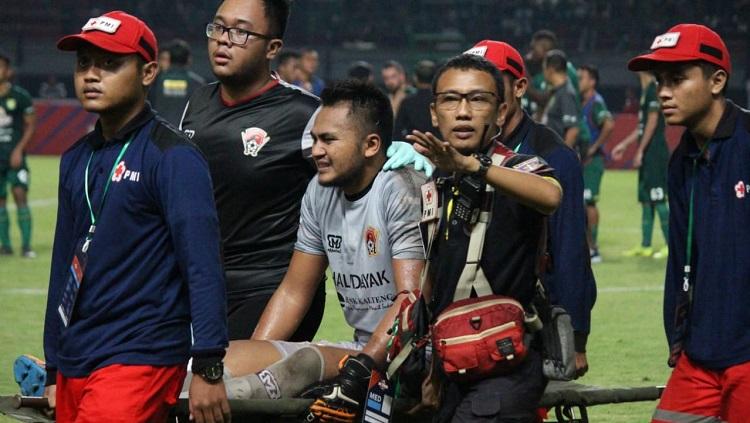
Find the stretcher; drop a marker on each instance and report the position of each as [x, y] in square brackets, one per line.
[568, 402]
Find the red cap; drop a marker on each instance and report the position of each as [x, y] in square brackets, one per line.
[505, 57]
[116, 32]
[683, 43]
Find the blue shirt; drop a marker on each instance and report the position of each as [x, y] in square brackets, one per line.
[569, 279]
[595, 113]
[719, 321]
[154, 264]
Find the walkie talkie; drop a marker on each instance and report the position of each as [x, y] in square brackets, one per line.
[467, 206]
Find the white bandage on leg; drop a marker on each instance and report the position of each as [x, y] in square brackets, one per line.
[284, 379]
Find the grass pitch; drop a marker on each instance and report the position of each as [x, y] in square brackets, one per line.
[627, 346]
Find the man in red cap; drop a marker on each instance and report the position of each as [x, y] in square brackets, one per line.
[708, 271]
[569, 279]
[136, 261]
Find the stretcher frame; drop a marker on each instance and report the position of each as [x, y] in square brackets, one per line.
[568, 402]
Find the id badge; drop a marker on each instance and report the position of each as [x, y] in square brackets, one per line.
[379, 405]
[429, 202]
[73, 283]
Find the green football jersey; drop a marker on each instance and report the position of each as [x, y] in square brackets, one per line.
[14, 106]
[600, 112]
[652, 175]
[650, 103]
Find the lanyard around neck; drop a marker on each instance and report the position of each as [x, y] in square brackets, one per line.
[691, 219]
[523, 141]
[92, 229]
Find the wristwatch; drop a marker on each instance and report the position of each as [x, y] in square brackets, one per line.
[211, 372]
[484, 165]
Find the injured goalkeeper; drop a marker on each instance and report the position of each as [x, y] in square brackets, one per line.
[363, 223]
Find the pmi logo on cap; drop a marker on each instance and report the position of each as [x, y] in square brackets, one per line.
[478, 51]
[668, 39]
[102, 23]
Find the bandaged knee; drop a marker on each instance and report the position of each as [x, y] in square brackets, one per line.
[284, 379]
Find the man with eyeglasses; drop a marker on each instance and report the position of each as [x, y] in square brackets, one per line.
[468, 110]
[254, 131]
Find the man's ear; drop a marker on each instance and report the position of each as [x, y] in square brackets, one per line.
[149, 71]
[433, 115]
[718, 81]
[274, 48]
[373, 145]
[520, 86]
[502, 113]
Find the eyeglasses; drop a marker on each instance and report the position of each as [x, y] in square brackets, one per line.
[237, 36]
[479, 101]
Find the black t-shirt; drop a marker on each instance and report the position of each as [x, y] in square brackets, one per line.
[414, 113]
[511, 246]
[258, 154]
[172, 90]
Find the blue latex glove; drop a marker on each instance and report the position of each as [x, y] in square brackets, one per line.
[402, 153]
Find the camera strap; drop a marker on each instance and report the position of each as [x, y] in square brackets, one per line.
[472, 277]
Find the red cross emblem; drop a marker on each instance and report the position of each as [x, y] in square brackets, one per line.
[739, 189]
[117, 176]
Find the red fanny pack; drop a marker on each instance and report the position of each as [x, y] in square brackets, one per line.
[479, 337]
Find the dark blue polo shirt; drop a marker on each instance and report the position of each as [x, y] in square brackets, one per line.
[154, 264]
[569, 279]
[719, 321]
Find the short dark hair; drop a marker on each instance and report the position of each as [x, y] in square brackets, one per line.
[472, 61]
[593, 71]
[393, 64]
[277, 13]
[708, 69]
[360, 70]
[556, 60]
[424, 71]
[512, 77]
[179, 52]
[545, 34]
[5, 58]
[287, 55]
[367, 104]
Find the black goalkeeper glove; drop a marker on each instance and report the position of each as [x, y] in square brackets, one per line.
[343, 399]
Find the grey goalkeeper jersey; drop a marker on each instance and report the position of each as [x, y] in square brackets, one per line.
[361, 237]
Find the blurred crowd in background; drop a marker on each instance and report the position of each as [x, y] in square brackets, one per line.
[342, 32]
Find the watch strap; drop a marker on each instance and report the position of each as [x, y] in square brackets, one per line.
[484, 165]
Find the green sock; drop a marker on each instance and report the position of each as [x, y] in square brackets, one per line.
[24, 223]
[594, 233]
[663, 209]
[647, 224]
[4, 227]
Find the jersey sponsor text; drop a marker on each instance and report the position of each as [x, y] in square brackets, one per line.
[362, 281]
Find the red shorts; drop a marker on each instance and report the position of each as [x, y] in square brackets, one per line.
[119, 393]
[695, 394]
